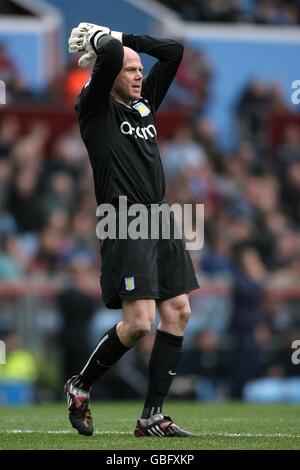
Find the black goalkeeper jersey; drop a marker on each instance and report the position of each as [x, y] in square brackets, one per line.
[122, 141]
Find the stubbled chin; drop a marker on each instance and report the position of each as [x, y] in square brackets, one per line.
[137, 94]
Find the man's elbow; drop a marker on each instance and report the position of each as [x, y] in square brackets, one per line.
[178, 49]
[110, 50]
[109, 46]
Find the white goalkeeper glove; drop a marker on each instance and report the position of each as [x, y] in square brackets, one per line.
[80, 40]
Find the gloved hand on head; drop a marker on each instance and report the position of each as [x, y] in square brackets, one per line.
[85, 37]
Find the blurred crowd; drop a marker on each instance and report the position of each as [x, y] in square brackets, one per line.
[266, 12]
[47, 213]
[190, 89]
[251, 199]
[16, 89]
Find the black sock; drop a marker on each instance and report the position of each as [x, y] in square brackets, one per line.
[106, 354]
[164, 360]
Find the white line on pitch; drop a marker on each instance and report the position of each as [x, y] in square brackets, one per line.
[202, 434]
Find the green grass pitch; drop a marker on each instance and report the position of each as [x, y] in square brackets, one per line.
[218, 426]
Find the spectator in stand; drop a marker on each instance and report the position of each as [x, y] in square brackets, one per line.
[183, 154]
[69, 154]
[205, 365]
[289, 148]
[76, 306]
[60, 194]
[75, 79]
[216, 259]
[205, 133]
[8, 71]
[83, 226]
[6, 173]
[19, 375]
[275, 12]
[9, 133]
[24, 201]
[252, 110]
[290, 191]
[16, 89]
[256, 103]
[247, 317]
[285, 250]
[48, 259]
[191, 86]
[13, 258]
[213, 10]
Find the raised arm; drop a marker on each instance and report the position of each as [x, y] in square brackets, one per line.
[108, 64]
[169, 54]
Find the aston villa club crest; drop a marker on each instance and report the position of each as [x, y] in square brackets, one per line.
[142, 108]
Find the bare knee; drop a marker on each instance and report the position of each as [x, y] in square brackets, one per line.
[138, 317]
[136, 330]
[184, 315]
[175, 315]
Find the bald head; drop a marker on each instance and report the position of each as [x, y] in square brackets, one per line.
[128, 84]
[130, 54]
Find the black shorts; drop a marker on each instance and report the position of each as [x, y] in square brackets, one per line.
[145, 269]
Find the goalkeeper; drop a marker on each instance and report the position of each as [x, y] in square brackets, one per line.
[116, 111]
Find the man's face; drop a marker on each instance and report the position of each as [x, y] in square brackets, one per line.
[128, 84]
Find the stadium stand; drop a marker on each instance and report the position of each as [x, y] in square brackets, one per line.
[248, 304]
